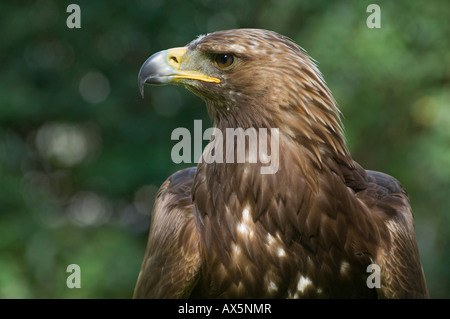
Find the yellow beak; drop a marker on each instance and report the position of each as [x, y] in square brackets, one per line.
[164, 68]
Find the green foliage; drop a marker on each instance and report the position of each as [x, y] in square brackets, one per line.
[82, 155]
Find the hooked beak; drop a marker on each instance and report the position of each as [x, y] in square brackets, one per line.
[164, 68]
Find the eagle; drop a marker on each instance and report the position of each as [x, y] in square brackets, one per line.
[319, 226]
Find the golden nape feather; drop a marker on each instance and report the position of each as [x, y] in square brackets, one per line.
[319, 226]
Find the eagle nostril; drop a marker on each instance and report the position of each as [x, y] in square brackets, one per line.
[175, 60]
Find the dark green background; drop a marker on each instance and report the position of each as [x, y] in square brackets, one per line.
[82, 154]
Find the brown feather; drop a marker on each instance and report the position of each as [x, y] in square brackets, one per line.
[172, 261]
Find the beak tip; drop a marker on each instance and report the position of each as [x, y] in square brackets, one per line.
[141, 86]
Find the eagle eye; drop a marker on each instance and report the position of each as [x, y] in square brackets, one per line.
[224, 60]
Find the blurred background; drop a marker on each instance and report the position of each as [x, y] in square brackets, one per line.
[82, 154]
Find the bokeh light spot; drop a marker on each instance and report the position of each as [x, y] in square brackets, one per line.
[94, 87]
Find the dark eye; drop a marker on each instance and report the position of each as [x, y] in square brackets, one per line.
[224, 60]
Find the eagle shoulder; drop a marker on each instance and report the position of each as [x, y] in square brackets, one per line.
[397, 255]
[172, 260]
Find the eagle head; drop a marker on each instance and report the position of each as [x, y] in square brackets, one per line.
[250, 78]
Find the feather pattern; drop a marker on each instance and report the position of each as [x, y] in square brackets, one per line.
[310, 230]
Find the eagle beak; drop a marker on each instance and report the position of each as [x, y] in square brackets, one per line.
[164, 68]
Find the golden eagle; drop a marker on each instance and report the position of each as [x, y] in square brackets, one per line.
[312, 229]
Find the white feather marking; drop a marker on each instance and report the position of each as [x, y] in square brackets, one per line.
[303, 283]
[236, 249]
[246, 214]
[242, 228]
[281, 252]
[272, 286]
[246, 225]
[344, 267]
[270, 239]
